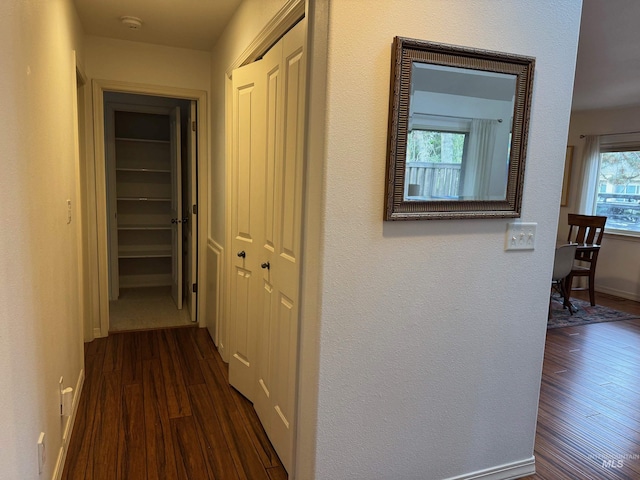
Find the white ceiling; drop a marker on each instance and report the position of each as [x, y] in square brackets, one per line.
[194, 24]
[607, 71]
[608, 65]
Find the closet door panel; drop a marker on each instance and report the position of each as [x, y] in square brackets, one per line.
[286, 260]
[273, 146]
[273, 143]
[247, 225]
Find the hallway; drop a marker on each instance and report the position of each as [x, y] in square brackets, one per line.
[157, 404]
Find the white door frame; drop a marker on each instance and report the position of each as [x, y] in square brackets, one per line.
[200, 97]
[82, 199]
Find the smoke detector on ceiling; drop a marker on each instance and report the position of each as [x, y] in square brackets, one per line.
[132, 23]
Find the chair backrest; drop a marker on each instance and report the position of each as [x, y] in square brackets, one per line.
[563, 262]
[586, 228]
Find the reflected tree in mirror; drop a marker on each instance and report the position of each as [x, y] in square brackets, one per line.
[434, 159]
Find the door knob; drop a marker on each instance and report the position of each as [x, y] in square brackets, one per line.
[266, 265]
[174, 220]
[241, 254]
[185, 219]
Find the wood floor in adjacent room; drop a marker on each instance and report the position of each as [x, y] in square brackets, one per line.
[589, 412]
[158, 405]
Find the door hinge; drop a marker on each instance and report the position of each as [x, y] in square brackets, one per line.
[193, 126]
[194, 209]
[194, 287]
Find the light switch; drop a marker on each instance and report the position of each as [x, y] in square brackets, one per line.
[521, 236]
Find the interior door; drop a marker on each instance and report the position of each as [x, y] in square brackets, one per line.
[278, 330]
[265, 369]
[247, 172]
[192, 224]
[176, 209]
[112, 204]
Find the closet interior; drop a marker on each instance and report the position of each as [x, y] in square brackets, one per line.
[151, 220]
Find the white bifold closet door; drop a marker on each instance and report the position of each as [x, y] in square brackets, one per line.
[266, 201]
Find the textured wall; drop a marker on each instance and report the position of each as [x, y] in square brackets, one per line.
[120, 60]
[431, 336]
[40, 328]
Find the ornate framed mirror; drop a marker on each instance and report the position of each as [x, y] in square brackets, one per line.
[458, 123]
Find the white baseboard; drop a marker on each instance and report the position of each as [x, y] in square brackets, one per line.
[62, 454]
[507, 471]
[618, 293]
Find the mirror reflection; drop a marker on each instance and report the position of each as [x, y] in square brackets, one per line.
[458, 124]
[459, 133]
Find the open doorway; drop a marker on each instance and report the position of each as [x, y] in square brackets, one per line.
[151, 180]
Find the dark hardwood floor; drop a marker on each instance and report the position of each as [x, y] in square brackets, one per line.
[589, 412]
[158, 405]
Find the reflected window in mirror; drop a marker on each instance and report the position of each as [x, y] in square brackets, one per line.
[434, 161]
[468, 108]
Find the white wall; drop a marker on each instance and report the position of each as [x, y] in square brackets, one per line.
[618, 269]
[40, 326]
[430, 336]
[121, 60]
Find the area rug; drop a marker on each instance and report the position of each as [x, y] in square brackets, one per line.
[586, 314]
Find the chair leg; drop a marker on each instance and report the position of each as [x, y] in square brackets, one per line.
[568, 281]
[592, 288]
[565, 297]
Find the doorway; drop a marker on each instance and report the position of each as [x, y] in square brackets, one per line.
[151, 190]
[185, 208]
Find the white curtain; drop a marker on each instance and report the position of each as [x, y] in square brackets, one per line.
[479, 160]
[590, 171]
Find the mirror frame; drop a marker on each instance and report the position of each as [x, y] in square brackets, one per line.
[406, 51]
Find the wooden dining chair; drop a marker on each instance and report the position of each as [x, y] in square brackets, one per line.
[586, 231]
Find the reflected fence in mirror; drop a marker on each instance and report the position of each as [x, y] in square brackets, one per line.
[458, 121]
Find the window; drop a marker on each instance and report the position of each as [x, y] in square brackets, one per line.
[435, 146]
[618, 196]
[434, 161]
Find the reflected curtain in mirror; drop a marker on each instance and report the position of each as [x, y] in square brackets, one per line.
[479, 169]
